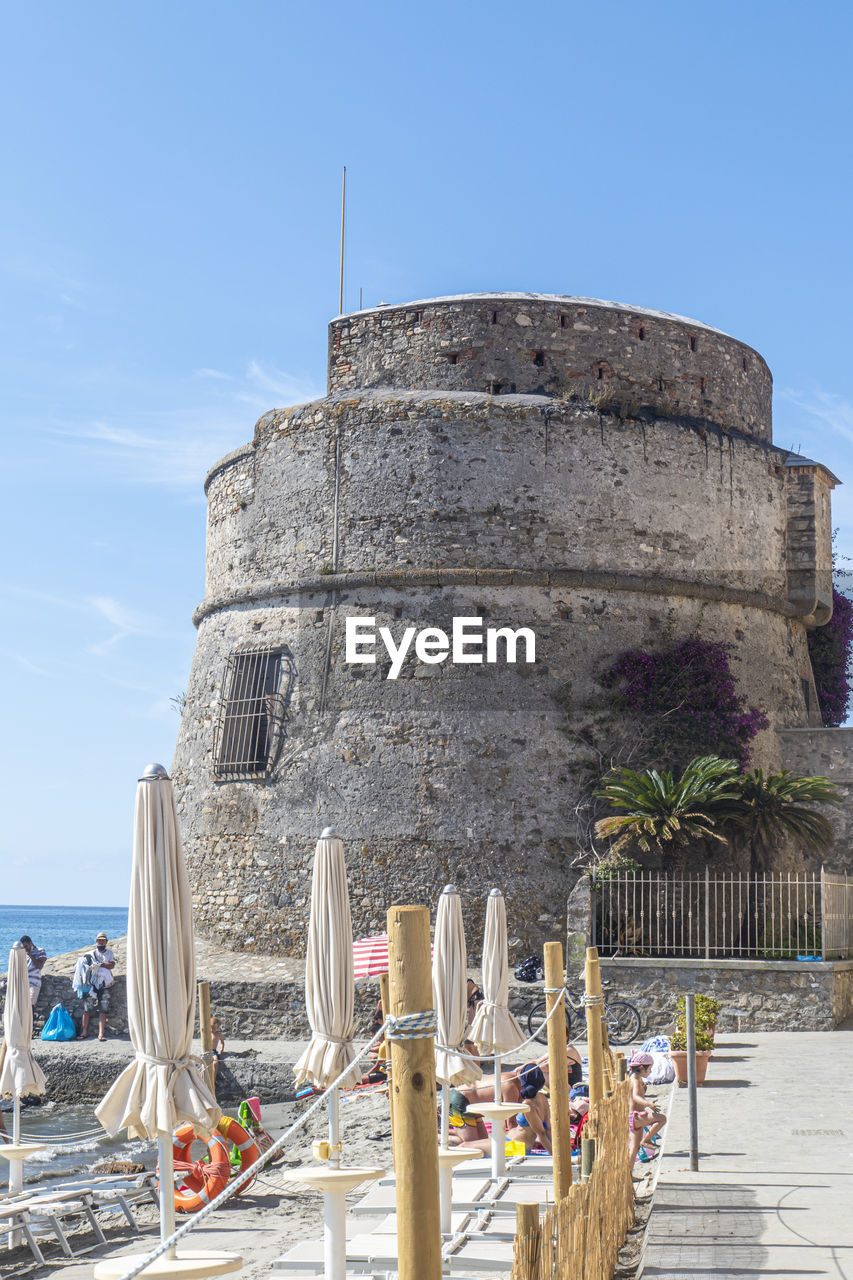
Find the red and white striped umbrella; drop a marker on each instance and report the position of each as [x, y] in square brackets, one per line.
[370, 956]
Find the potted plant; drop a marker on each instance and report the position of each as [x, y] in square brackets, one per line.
[678, 1053]
[707, 1012]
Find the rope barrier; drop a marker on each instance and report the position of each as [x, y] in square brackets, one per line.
[239, 1182]
[412, 1026]
[490, 1057]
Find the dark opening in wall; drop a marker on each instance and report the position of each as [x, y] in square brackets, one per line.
[660, 384]
[702, 385]
[539, 358]
[564, 322]
[806, 687]
[745, 365]
[419, 315]
[600, 372]
[641, 333]
[494, 317]
[452, 357]
[692, 342]
[250, 724]
[495, 388]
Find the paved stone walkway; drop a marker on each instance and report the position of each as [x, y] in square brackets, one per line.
[774, 1195]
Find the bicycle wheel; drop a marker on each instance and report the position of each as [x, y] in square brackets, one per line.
[537, 1015]
[623, 1021]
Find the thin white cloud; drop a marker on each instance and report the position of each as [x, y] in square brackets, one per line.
[127, 622]
[177, 447]
[828, 408]
[31, 666]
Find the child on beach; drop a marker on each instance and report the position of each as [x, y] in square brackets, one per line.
[641, 1115]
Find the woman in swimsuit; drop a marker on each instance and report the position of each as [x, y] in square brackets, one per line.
[532, 1124]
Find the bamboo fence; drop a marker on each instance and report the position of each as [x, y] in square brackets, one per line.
[580, 1237]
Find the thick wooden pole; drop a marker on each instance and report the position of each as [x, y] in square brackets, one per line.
[558, 1069]
[413, 1082]
[527, 1242]
[621, 1068]
[594, 1040]
[385, 996]
[205, 1032]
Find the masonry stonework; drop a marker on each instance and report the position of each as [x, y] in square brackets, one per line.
[513, 484]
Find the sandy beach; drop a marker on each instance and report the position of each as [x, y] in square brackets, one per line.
[261, 1224]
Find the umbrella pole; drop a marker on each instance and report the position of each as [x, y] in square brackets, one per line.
[167, 1188]
[445, 1176]
[498, 1097]
[334, 1235]
[335, 1129]
[16, 1167]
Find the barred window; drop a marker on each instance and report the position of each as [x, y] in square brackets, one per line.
[251, 719]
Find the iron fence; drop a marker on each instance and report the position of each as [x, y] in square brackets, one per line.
[713, 915]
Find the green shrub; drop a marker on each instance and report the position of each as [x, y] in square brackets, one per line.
[704, 1040]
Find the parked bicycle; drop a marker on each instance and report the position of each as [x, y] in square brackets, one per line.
[623, 1020]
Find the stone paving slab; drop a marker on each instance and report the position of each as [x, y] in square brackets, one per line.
[774, 1194]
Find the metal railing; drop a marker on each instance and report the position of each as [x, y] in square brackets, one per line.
[716, 915]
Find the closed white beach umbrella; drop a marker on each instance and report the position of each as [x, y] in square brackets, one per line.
[20, 1074]
[329, 981]
[494, 1029]
[162, 1087]
[450, 992]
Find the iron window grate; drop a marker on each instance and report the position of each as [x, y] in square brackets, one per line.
[251, 719]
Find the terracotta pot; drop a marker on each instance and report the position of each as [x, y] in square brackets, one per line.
[678, 1058]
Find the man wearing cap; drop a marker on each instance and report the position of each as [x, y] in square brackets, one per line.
[103, 963]
[36, 957]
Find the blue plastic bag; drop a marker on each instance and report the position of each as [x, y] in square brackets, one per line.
[60, 1025]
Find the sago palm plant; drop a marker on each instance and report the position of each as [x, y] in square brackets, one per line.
[665, 813]
[775, 807]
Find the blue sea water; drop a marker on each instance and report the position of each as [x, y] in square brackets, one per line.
[58, 929]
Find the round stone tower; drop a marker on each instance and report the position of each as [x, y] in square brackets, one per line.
[600, 476]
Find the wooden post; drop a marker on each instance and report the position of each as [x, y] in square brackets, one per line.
[621, 1068]
[205, 1032]
[587, 1157]
[558, 1068]
[527, 1245]
[413, 1082]
[385, 996]
[593, 1027]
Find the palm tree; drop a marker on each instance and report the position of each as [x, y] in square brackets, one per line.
[770, 810]
[775, 807]
[664, 813]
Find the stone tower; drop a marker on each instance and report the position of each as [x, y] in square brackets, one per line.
[599, 474]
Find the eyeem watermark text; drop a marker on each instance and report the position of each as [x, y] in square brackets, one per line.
[467, 643]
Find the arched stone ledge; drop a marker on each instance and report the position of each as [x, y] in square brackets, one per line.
[401, 579]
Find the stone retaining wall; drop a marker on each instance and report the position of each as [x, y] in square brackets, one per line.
[756, 995]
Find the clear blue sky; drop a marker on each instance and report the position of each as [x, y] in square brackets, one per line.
[168, 257]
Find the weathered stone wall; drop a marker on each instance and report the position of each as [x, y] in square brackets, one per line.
[551, 345]
[599, 530]
[826, 753]
[756, 995]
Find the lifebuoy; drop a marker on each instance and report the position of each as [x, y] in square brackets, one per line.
[245, 1144]
[201, 1180]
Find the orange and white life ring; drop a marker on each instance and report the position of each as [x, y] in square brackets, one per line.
[201, 1180]
[246, 1145]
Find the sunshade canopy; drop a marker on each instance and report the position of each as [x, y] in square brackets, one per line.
[20, 1074]
[329, 982]
[494, 1029]
[163, 1087]
[450, 992]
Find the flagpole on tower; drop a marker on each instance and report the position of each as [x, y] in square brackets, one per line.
[343, 219]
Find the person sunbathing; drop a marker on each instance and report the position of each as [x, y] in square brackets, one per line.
[643, 1118]
[575, 1065]
[532, 1122]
